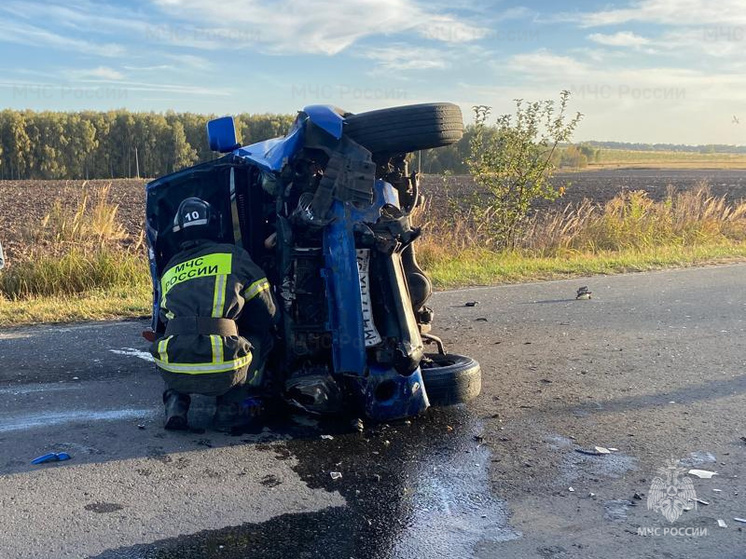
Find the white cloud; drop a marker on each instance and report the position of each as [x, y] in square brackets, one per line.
[102, 72]
[31, 35]
[541, 64]
[671, 12]
[400, 57]
[308, 26]
[620, 39]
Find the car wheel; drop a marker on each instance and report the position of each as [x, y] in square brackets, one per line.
[450, 379]
[406, 129]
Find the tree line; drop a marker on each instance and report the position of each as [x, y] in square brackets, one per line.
[114, 144]
[119, 144]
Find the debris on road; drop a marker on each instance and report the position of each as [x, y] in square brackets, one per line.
[51, 457]
[327, 437]
[583, 293]
[335, 475]
[741, 520]
[602, 450]
[571, 490]
[722, 523]
[702, 474]
[358, 424]
[702, 502]
[471, 303]
[718, 490]
[591, 451]
[638, 496]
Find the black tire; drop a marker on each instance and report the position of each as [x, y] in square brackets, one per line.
[408, 128]
[451, 379]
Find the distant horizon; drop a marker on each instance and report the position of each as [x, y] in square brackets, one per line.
[647, 71]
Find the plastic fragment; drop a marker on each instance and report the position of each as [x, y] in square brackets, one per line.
[702, 502]
[571, 490]
[718, 490]
[51, 457]
[741, 520]
[722, 523]
[602, 450]
[702, 474]
[612, 449]
[327, 437]
[335, 475]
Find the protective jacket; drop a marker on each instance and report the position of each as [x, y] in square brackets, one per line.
[213, 297]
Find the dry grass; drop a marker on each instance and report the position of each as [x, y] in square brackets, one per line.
[91, 223]
[75, 249]
[633, 221]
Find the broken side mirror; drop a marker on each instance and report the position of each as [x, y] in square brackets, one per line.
[221, 134]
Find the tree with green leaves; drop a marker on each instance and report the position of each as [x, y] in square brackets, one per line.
[514, 160]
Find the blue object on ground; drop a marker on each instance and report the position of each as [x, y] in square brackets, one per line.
[51, 457]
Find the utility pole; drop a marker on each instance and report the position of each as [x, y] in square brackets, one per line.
[137, 164]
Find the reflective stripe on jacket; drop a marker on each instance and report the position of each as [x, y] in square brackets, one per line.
[208, 279]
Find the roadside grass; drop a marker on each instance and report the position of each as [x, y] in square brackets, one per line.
[82, 265]
[629, 233]
[96, 304]
[483, 267]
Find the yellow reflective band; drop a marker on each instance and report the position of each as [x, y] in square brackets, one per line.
[218, 298]
[203, 266]
[255, 289]
[204, 368]
[163, 349]
[217, 348]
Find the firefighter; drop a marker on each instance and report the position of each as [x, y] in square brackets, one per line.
[219, 313]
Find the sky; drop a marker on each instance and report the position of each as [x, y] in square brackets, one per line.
[671, 71]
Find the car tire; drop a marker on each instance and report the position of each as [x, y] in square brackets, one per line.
[451, 378]
[407, 128]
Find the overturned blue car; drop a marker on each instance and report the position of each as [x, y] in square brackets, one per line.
[325, 211]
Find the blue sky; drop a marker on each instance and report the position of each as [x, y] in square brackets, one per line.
[640, 70]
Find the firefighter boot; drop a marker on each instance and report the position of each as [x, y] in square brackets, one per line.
[177, 406]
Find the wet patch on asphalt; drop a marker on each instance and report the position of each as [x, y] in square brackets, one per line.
[413, 488]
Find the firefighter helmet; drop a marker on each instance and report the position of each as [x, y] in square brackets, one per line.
[194, 219]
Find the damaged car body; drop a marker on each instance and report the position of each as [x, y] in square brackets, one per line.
[326, 212]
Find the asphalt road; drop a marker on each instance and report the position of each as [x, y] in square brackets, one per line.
[652, 365]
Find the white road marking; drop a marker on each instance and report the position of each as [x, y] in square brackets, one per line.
[132, 352]
[22, 422]
[33, 388]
